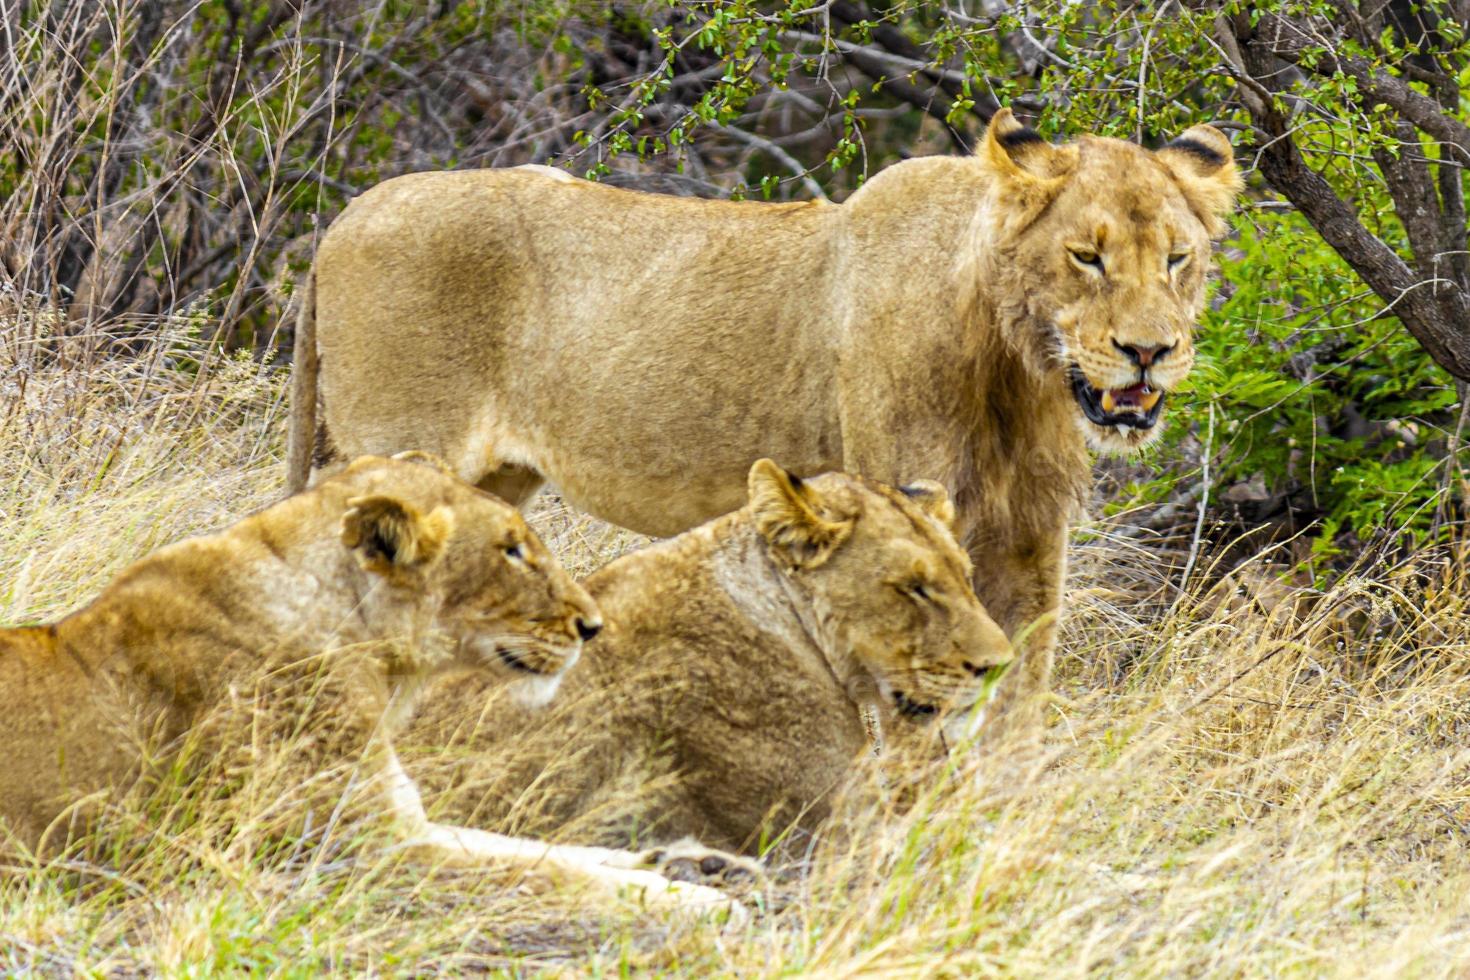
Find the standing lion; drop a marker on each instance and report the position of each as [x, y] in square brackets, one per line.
[979, 320]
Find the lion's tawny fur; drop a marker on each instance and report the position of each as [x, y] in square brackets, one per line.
[639, 351]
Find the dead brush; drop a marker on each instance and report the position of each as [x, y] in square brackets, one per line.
[134, 451]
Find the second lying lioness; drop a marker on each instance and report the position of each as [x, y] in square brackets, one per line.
[742, 670]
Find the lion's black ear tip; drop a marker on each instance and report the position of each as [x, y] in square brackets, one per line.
[1016, 138]
[1207, 147]
[1009, 131]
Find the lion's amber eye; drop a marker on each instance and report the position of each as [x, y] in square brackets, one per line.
[515, 553]
[1087, 257]
[1177, 260]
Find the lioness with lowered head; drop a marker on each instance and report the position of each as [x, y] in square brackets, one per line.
[326, 613]
[745, 669]
[979, 319]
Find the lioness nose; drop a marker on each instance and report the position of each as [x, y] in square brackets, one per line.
[1143, 354]
[587, 629]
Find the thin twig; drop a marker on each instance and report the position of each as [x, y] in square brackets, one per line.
[1204, 503]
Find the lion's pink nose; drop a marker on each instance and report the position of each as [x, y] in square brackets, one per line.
[1143, 354]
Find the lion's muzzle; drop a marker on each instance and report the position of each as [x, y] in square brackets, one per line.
[523, 657]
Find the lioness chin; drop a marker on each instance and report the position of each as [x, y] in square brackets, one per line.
[981, 319]
[313, 624]
[746, 668]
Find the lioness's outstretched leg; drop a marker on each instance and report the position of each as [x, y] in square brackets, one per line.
[611, 869]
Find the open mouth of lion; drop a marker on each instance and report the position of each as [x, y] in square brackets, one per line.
[1137, 406]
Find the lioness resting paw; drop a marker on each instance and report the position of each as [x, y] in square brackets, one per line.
[324, 614]
[981, 319]
[742, 671]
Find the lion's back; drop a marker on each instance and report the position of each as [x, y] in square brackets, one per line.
[514, 316]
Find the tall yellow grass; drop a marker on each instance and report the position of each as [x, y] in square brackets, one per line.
[1232, 783]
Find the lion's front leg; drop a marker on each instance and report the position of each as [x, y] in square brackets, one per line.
[616, 872]
[1021, 586]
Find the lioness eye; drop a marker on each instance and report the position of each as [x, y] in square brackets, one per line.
[1176, 260]
[917, 591]
[1087, 257]
[514, 552]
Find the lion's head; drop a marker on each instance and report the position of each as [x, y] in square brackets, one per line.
[465, 568]
[1105, 248]
[887, 586]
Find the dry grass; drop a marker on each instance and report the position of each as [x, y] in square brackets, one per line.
[1231, 789]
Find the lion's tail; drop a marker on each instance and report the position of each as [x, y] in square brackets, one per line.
[301, 436]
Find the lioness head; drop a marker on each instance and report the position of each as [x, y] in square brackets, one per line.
[887, 585]
[1107, 247]
[478, 583]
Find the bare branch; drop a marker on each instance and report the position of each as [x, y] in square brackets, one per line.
[1293, 42]
[802, 174]
[1435, 310]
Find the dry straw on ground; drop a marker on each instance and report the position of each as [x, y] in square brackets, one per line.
[1233, 784]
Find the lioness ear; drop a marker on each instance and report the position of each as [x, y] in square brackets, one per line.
[1027, 170]
[789, 515]
[1021, 157]
[387, 533]
[931, 496]
[1203, 164]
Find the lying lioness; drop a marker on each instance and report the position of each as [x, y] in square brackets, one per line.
[745, 668]
[324, 614]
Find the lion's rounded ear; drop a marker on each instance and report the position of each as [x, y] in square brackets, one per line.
[1021, 157]
[933, 498]
[1203, 164]
[387, 533]
[1028, 172]
[793, 518]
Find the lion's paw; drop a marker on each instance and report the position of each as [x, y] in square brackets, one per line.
[690, 861]
[647, 886]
